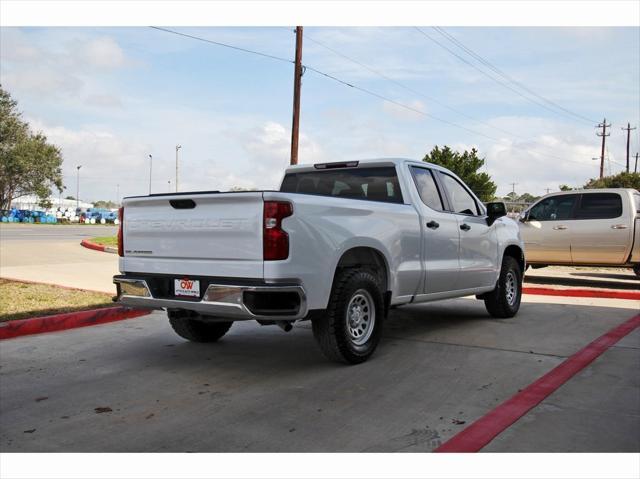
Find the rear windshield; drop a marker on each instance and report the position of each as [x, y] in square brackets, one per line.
[373, 184]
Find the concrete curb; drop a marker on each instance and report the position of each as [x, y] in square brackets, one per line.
[60, 322]
[99, 247]
[582, 293]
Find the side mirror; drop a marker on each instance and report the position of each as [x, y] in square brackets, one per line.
[495, 210]
[524, 216]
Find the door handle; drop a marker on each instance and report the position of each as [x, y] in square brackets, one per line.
[619, 227]
[560, 227]
[465, 227]
[434, 225]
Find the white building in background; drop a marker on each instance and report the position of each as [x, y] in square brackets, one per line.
[30, 202]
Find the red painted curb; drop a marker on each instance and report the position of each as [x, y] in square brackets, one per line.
[485, 429]
[90, 245]
[583, 293]
[60, 322]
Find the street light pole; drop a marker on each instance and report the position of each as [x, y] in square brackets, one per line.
[177, 148]
[150, 171]
[78, 188]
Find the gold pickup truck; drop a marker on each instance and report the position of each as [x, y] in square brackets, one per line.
[599, 227]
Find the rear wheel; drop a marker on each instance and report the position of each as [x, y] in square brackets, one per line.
[504, 300]
[350, 330]
[194, 327]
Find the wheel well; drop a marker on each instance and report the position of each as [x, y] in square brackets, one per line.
[368, 257]
[516, 253]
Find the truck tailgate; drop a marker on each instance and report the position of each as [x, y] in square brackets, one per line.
[206, 234]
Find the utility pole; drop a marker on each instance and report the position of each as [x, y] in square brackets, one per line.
[628, 129]
[150, 170]
[297, 80]
[513, 196]
[604, 135]
[635, 170]
[548, 190]
[177, 148]
[78, 188]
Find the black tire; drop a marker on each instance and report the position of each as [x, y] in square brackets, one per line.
[191, 326]
[636, 270]
[360, 290]
[503, 302]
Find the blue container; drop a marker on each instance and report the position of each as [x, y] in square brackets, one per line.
[4, 219]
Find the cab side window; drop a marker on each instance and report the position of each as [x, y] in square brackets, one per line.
[461, 200]
[599, 206]
[554, 208]
[427, 188]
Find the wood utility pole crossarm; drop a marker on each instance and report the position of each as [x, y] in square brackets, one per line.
[604, 135]
[297, 80]
[628, 130]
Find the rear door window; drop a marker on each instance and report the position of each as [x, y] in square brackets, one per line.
[595, 206]
[554, 208]
[427, 188]
[373, 184]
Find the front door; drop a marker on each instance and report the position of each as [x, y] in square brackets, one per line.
[440, 235]
[547, 231]
[478, 241]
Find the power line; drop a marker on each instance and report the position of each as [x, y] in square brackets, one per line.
[220, 44]
[405, 87]
[356, 87]
[500, 72]
[327, 75]
[402, 105]
[500, 82]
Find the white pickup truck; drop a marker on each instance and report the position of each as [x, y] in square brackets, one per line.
[338, 244]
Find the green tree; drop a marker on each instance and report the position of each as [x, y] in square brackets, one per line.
[621, 180]
[105, 204]
[28, 163]
[527, 198]
[466, 166]
[564, 188]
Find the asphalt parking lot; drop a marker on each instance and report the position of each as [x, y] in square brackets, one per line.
[134, 385]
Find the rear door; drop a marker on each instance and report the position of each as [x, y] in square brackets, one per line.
[478, 241]
[440, 235]
[601, 232]
[547, 231]
[208, 234]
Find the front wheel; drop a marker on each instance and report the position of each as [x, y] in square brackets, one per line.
[504, 300]
[350, 330]
[193, 327]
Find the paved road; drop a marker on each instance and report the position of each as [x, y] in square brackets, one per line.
[46, 233]
[260, 389]
[52, 254]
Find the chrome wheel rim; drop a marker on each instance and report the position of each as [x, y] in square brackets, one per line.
[511, 288]
[360, 317]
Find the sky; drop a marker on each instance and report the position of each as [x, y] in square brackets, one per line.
[110, 97]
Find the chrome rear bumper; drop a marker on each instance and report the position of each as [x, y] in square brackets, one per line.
[222, 300]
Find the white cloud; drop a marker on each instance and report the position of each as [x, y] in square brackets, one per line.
[102, 52]
[402, 113]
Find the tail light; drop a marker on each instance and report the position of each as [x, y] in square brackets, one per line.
[275, 241]
[120, 235]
